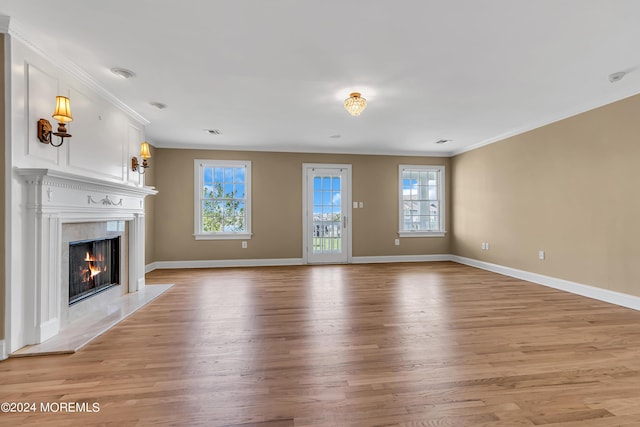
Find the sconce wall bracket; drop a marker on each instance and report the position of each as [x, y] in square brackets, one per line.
[45, 132]
[136, 166]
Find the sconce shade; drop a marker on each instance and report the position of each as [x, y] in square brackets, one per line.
[63, 110]
[144, 151]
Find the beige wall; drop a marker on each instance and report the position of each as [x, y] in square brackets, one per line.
[570, 188]
[277, 206]
[150, 211]
[3, 144]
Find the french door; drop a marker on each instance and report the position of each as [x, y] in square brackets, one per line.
[327, 219]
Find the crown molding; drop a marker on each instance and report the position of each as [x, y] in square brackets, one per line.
[575, 111]
[14, 30]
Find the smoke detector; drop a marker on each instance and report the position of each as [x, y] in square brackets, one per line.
[616, 77]
[158, 105]
[123, 73]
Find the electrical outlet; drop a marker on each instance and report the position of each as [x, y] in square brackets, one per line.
[541, 255]
[244, 245]
[397, 242]
[486, 246]
[355, 205]
[361, 205]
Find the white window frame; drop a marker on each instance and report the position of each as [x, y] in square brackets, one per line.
[198, 174]
[441, 201]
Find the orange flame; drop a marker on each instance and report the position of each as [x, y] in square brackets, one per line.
[94, 269]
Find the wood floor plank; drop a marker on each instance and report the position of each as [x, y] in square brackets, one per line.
[415, 344]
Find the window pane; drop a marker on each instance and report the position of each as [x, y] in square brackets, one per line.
[326, 197]
[423, 193]
[424, 222]
[434, 224]
[218, 173]
[208, 175]
[335, 185]
[208, 191]
[240, 191]
[433, 193]
[336, 197]
[228, 174]
[326, 183]
[207, 223]
[239, 178]
[423, 178]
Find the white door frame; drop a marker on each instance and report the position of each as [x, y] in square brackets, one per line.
[307, 216]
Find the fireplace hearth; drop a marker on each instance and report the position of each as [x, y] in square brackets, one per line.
[94, 266]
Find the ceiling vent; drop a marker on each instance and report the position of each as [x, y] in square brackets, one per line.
[158, 105]
[213, 131]
[442, 141]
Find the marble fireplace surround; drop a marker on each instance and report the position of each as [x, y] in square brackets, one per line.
[54, 198]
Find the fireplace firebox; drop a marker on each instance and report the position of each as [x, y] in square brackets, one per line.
[94, 266]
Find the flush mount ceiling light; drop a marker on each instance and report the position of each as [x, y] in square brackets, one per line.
[355, 104]
[123, 73]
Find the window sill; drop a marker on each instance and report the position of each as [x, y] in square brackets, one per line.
[422, 233]
[223, 236]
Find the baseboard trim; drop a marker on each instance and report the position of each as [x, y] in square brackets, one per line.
[613, 297]
[3, 351]
[150, 267]
[227, 263]
[399, 258]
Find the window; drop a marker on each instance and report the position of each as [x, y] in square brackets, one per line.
[421, 201]
[222, 199]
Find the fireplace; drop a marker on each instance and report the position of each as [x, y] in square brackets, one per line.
[94, 266]
[60, 209]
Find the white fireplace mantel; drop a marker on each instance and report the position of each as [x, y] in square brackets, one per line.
[52, 198]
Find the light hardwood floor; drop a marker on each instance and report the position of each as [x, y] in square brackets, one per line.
[425, 344]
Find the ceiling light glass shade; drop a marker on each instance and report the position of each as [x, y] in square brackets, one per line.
[144, 151]
[63, 110]
[355, 104]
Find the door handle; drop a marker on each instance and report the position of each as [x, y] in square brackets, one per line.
[344, 222]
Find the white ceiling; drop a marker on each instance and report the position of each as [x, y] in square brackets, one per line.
[272, 75]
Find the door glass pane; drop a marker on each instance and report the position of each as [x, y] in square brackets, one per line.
[327, 215]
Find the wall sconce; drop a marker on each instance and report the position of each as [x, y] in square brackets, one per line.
[144, 155]
[63, 115]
